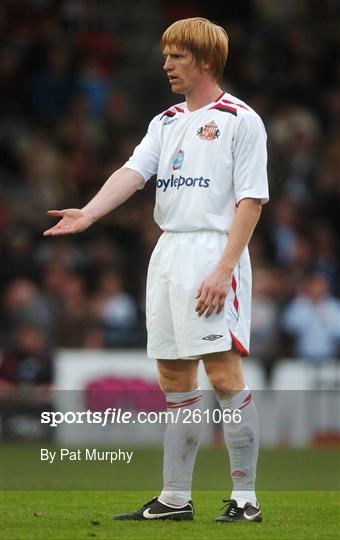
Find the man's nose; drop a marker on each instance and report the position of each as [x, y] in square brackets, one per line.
[167, 64]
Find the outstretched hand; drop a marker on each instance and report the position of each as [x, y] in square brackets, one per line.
[72, 221]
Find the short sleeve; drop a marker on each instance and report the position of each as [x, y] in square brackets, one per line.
[145, 157]
[250, 159]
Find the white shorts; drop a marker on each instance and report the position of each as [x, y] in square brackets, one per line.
[178, 265]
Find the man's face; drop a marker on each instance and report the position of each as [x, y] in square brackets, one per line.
[182, 69]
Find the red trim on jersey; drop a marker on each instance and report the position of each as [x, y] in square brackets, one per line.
[172, 111]
[219, 97]
[185, 403]
[238, 345]
[224, 107]
[169, 112]
[236, 104]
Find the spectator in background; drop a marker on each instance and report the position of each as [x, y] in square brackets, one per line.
[75, 317]
[94, 337]
[24, 303]
[324, 251]
[295, 131]
[53, 86]
[300, 260]
[284, 230]
[95, 87]
[264, 316]
[116, 309]
[17, 256]
[313, 320]
[52, 281]
[27, 360]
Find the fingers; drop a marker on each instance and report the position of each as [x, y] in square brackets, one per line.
[203, 305]
[220, 306]
[205, 302]
[209, 301]
[66, 224]
[56, 213]
[199, 292]
[54, 230]
[213, 305]
[59, 230]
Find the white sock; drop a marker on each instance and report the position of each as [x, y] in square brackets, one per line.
[242, 441]
[181, 441]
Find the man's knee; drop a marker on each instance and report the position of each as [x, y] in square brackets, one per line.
[225, 373]
[218, 382]
[177, 375]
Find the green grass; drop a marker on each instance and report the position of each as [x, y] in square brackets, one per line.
[69, 515]
[298, 491]
[305, 469]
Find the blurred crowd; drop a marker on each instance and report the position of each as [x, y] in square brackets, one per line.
[79, 83]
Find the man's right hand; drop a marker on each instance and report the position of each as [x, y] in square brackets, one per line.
[72, 221]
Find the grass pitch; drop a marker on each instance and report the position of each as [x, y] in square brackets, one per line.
[298, 491]
[77, 515]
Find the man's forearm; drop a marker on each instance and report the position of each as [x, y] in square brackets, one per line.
[242, 228]
[117, 189]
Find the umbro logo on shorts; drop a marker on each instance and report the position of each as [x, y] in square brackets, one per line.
[212, 337]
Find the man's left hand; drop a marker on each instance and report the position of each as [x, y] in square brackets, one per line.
[212, 293]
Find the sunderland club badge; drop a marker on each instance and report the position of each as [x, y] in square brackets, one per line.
[209, 131]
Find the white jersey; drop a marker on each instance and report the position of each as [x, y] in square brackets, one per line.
[206, 161]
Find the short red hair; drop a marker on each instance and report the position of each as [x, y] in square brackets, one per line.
[207, 42]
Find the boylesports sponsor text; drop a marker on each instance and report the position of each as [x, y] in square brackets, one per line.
[181, 181]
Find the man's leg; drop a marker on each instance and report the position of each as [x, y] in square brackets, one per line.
[225, 373]
[178, 380]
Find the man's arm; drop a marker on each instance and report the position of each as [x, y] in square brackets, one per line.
[214, 289]
[117, 189]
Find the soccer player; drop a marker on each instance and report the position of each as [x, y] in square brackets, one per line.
[209, 155]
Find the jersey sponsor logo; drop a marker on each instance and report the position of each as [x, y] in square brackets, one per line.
[181, 182]
[212, 337]
[177, 162]
[209, 132]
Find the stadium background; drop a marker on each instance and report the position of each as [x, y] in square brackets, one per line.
[80, 80]
[79, 83]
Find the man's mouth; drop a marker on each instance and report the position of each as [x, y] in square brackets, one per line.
[173, 79]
